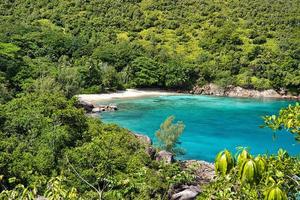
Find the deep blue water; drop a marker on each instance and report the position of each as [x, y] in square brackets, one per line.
[211, 123]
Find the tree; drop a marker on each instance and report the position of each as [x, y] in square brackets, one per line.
[111, 79]
[288, 118]
[168, 136]
[144, 72]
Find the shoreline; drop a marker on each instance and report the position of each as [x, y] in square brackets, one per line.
[239, 92]
[125, 94]
[140, 93]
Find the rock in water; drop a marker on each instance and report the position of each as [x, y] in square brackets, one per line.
[96, 110]
[88, 106]
[113, 107]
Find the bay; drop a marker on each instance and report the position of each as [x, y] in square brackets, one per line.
[211, 123]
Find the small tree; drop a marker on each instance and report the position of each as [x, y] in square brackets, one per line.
[168, 136]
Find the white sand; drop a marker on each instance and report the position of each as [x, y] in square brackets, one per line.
[129, 93]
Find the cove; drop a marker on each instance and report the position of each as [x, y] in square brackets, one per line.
[211, 123]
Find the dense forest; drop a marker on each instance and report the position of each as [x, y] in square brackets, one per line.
[51, 50]
[92, 45]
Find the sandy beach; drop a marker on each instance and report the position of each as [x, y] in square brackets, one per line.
[129, 93]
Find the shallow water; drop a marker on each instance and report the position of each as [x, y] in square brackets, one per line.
[212, 123]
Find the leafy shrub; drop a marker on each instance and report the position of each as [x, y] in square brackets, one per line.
[260, 83]
[288, 118]
[256, 177]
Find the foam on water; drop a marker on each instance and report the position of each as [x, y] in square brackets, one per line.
[212, 123]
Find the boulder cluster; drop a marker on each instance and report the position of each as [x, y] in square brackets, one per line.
[92, 108]
[236, 91]
[204, 172]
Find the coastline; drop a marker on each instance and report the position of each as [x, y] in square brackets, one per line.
[202, 170]
[210, 89]
[239, 92]
[126, 94]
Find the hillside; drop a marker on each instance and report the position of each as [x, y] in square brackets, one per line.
[170, 44]
[52, 50]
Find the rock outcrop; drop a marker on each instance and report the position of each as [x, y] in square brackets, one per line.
[186, 192]
[236, 91]
[164, 156]
[103, 108]
[143, 138]
[204, 172]
[92, 108]
[87, 106]
[241, 92]
[146, 140]
[209, 89]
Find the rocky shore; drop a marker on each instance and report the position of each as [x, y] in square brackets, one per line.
[93, 108]
[202, 171]
[236, 91]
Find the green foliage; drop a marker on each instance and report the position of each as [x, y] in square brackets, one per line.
[264, 177]
[35, 129]
[8, 49]
[168, 136]
[260, 83]
[151, 43]
[144, 72]
[248, 171]
[5, 94]
[224, 162]
[242, 157]
[55, 189]
[288, 118]
[275, 193]
[261, 165]
[49, 147]
[52, 50]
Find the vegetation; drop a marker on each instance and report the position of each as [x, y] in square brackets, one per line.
[168, 136]
[260, 177]
[49, 147]
[288, 118]
[52, 50]
[93, 46]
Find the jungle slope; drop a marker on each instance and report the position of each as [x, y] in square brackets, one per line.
[103, 45]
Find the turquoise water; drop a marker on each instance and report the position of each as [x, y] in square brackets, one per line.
[212, 123]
